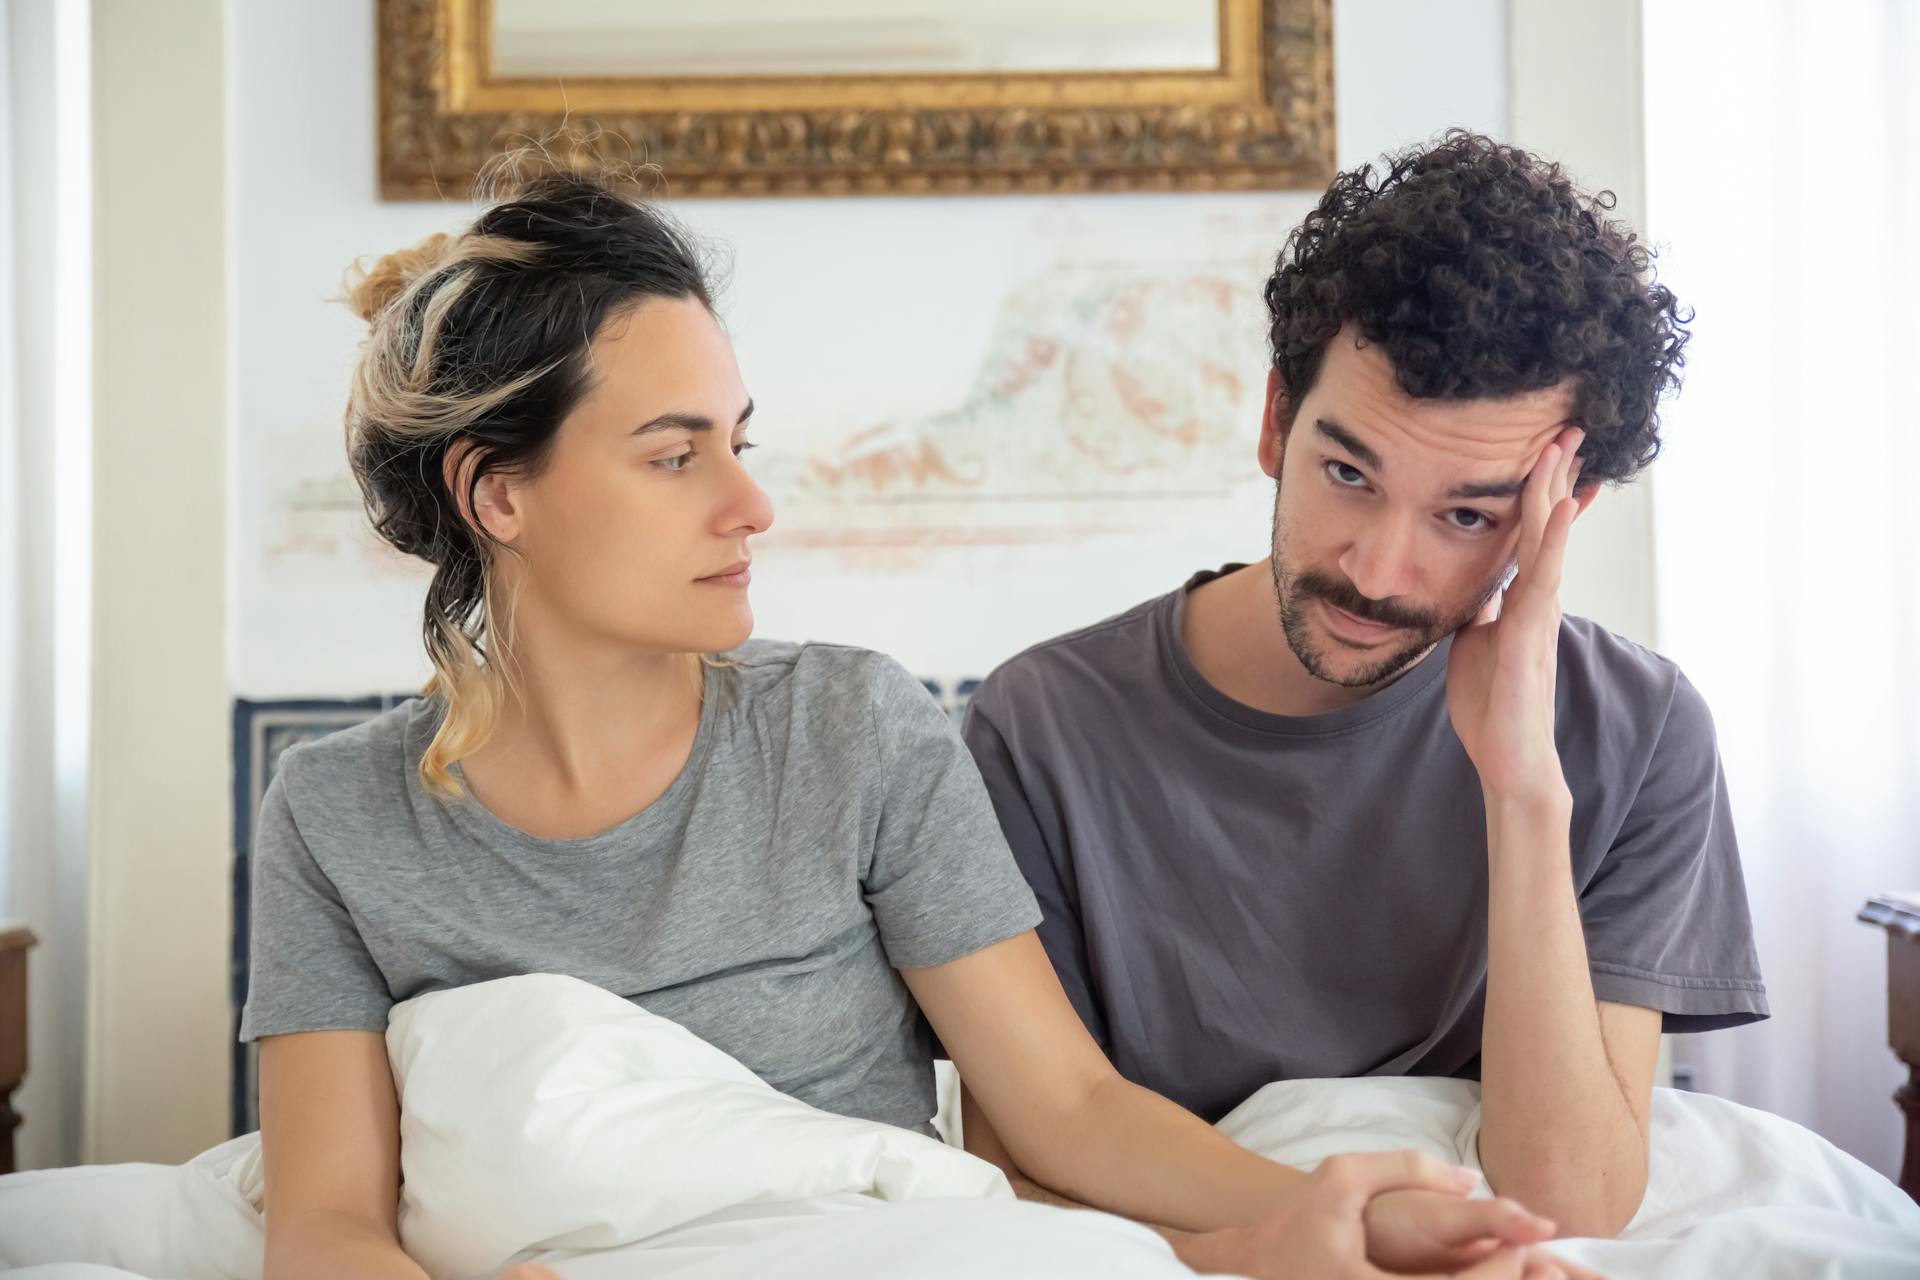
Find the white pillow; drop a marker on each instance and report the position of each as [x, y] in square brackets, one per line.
[542, 1112]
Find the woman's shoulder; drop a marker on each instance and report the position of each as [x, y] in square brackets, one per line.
[811, 663]
[815, 677]
[360, 766]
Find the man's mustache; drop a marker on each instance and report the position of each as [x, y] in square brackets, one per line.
[1342, 595]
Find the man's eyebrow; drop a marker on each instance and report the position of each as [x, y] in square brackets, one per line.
[1493, 489]
[1345, 439]
[687, 422]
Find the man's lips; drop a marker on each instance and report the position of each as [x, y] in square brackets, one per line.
[1356, 627]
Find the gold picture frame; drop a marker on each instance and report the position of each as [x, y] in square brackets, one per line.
[1261, 119]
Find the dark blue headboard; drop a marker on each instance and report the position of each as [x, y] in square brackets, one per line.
[262, 732]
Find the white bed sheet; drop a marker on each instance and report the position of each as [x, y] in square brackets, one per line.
[545, 1118]
[1731, 1191]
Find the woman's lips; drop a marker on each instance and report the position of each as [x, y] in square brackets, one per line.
[736, 575]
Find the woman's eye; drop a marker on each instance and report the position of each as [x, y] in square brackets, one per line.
[1346, 475]
[743, 446]
[678, 462]
[1467, 520]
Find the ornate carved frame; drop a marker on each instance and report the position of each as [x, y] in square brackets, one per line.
[1262, 119]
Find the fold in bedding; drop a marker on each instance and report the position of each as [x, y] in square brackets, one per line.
[545, 1118]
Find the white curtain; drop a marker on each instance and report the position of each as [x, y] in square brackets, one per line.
[45, 571]
[1783, 142]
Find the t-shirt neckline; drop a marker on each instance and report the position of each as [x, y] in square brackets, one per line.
[1375, 706]
[488, 827]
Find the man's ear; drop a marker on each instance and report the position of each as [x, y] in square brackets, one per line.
[1584, 494]
[1274, 420]
[487, 506]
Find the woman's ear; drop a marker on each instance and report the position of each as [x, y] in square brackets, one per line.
[488, 506]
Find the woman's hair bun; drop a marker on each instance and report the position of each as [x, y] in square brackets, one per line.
[371, 290]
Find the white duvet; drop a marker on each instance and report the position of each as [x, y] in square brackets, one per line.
[545, 1118]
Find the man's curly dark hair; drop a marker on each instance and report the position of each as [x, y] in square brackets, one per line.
[1483, 272]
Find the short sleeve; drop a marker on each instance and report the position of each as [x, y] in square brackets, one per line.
[1060, 928]
[941, 883]
[1666, 916]
[309, 969]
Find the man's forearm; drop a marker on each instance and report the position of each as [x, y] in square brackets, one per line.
[1558, 1129]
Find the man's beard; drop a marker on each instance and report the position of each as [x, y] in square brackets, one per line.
[1423, 627]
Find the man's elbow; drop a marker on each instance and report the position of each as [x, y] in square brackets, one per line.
[1599, 1219]
[1588, 1203]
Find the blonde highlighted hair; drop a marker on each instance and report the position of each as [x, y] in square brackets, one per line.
[476, 351]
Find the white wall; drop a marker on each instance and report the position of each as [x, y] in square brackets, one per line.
[159, 840]
[862, 308]
[850, 307]
[1586, 111]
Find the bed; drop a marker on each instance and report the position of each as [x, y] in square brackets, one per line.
[546, 1119]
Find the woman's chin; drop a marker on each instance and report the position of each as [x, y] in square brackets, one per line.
[732, 634]
[707, 631]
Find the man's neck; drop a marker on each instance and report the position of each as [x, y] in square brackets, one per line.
[1231, 630]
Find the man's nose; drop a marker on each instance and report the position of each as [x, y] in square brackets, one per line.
[1380, 563]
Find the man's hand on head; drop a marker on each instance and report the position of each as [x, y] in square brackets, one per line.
[1501, 673]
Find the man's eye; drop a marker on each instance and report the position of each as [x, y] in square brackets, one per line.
[1345, 474]
[1468, 520]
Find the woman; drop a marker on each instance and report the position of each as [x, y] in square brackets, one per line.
[786, 850]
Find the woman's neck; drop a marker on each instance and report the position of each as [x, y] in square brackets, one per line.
[592, 732]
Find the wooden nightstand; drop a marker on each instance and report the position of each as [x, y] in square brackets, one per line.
[1899, 915]
[14, 941]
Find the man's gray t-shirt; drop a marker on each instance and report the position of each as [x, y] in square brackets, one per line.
[1233, 897]
[828, 828]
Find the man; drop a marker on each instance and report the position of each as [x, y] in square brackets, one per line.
[1372, 806]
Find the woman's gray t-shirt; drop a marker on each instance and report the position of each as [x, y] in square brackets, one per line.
[828, 828]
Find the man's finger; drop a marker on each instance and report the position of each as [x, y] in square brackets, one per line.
[1563, 478]
[1571, 1270]
[1507, 1264]
[1356, 1179]
[1465, 1255]
[1552, 555]
[1536, 503]
[1501, 1219]
[1570, 442]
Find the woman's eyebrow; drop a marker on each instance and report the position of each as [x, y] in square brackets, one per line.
[687, 421]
